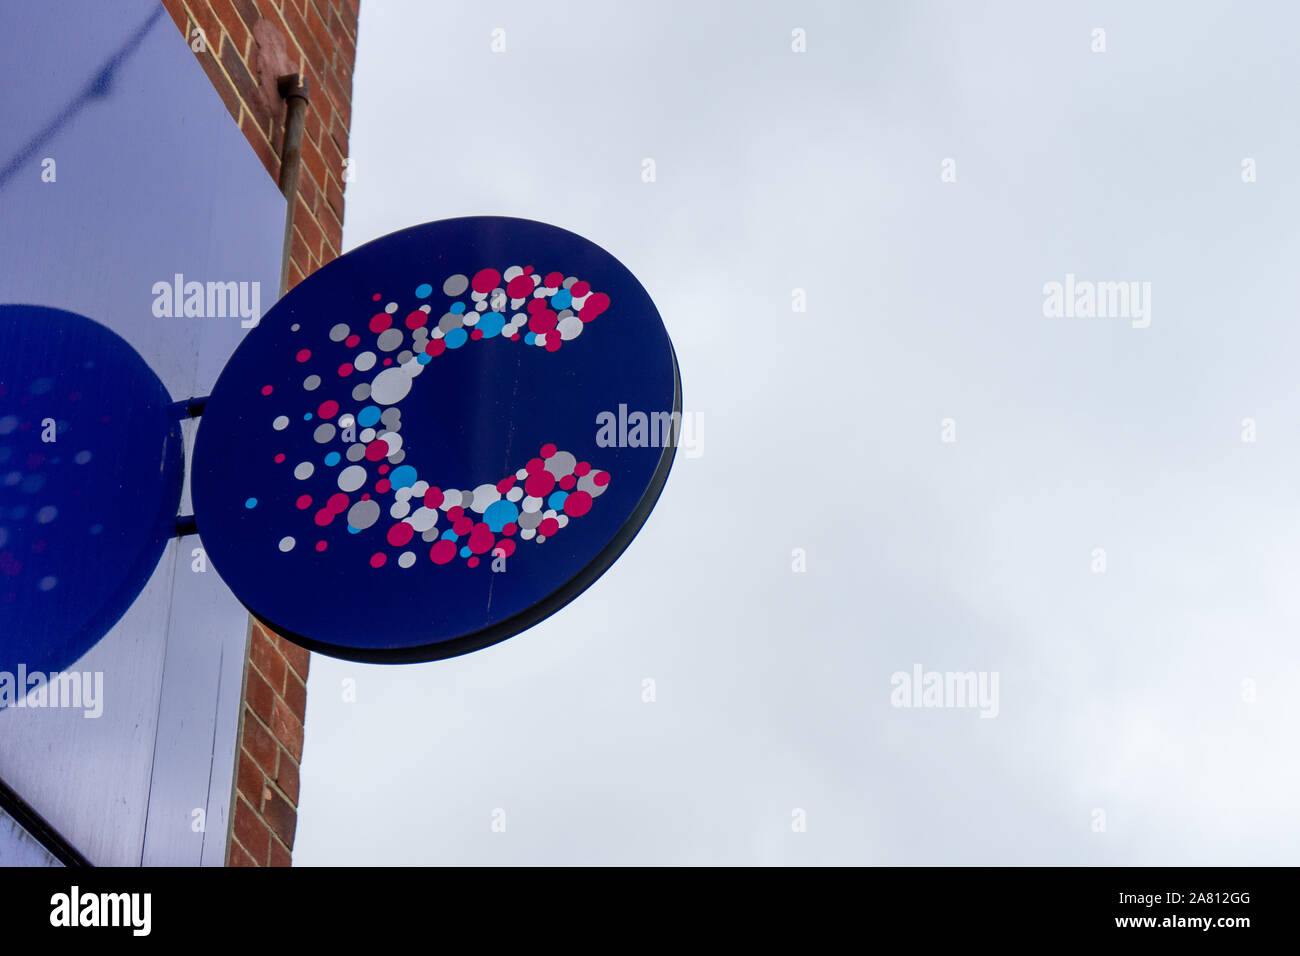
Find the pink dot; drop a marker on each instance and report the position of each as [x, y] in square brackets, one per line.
[485, 280]
[579, 289]
[577, 504]
[528, 270]
[304, 502]
[416, 319]
[382, 469]
[472, 562]
[476, 334]
[375, 298]
[519, 287]
[338, 501]
[548, 450]
[433, 497]
[581, 468]
[480, 539]
[505, 484]
[455, 513]
[462, 525]
[567, 482]
[388, 361]
[542, 320]
[510, 529]
[324, 517]
[535, 306]
[304, 355]
[548, 527]
[345, 369]
[534, 466]
[321, 545]
[540, 484]
[352, 341]
[553, 343]
[267, 389]
[442, 552]
[377, 450]
[279, 459]
[553, 280]
[507, 547]
[601, 478]
[380, 321]
[400, 534]
[383, 486]
[436, 347]
[328, 409]
[378, 559]
[365, 496]
[597, 304]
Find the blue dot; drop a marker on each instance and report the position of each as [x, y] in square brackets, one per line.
[332, 459]
[491, 324]
[529, 337]
[556, 500]
[449, 535]
[561, 299]
[465, 552]
[499, 514]
[457, 308]
[422, 290]
[307, 417]
[403, 476]
[250, 503]
[352, 530]
[368, 415]
[424, 358]
[456, 338]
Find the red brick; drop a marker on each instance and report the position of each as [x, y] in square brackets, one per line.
[260, 744]
[260, 145]
[239, 856]
[279, 855]
[295, 696]
[247, 10]
[176, 10]
[305, 224]
[295, 274]
[282, 817]
[249, 92]
[287, 729]
[299, 658]
[259, 695]
[267, 659]
[288, 778]
[249, 779]
[205, 18]
[236, 32]
[252, 832]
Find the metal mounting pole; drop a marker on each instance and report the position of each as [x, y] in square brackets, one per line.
[294, 89]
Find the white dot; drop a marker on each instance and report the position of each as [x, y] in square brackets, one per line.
[390, 308]
[281, 423]
[407, 559]
[390, 387]
[304, 470]
[287, 543]
[364, 362]
[351, 478]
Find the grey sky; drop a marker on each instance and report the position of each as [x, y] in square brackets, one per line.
[777, 170]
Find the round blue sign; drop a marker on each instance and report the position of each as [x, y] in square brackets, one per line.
[90, 479]
[437, 439]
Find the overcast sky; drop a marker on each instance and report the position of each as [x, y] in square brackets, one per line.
[1160, 692]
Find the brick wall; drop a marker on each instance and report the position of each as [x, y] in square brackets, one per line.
[243, 46]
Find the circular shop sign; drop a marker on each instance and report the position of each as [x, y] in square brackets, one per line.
[90, 479]
[437, 440]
